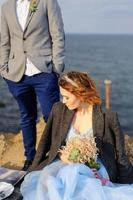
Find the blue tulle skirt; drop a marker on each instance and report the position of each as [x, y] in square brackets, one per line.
[60, 181]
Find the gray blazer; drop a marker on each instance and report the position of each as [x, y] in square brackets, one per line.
[42, 40]
[109, 139]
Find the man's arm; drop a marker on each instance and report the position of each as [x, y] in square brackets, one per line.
[57, 35]
[4, 43]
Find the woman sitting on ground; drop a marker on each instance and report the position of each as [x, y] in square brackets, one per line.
[55, 174]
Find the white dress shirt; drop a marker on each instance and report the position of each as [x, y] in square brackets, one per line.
[22, 7]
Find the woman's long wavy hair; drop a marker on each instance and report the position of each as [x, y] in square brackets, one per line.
[81, 85]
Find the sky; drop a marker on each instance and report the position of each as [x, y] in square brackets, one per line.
[97, 16]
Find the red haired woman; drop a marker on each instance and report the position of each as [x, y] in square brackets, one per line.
[79, 115]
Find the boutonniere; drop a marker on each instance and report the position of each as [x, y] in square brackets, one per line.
[33, 6]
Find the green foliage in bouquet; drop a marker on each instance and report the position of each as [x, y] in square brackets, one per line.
[73, 155]
[93, 164]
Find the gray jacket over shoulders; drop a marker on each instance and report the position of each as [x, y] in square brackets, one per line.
[109, 139]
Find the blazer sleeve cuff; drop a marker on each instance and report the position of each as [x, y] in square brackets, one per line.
[58, 69]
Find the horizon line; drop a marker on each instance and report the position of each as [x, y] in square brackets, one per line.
[96, 33]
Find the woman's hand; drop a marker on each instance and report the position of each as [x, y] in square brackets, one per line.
[97, 175]
[63, 157]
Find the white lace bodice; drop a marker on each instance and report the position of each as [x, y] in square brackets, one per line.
[74, 133]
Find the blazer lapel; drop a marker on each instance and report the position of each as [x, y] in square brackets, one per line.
[98, 126]
[30, 14]
[14, 14]
[66, 123]
[98, 122]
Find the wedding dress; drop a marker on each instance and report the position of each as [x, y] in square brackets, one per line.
[61, 181]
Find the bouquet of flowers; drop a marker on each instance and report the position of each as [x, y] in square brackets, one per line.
[80, 150]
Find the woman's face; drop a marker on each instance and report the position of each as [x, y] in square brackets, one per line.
[70, 100]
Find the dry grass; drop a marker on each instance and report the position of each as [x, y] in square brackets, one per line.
[11, 148]
[129, 147]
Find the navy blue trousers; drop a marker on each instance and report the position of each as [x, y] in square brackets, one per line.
[43, 86]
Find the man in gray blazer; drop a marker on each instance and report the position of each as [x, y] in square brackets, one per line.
[32, 57]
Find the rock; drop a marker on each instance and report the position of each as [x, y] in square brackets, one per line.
[129, 147]
[11, 147]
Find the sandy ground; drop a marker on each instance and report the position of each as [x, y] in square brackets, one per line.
[11, 148]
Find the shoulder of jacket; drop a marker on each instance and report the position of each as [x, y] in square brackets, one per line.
[110, 116]
[110, 113]
[58, 106]
[106, 112]
[6, 3]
